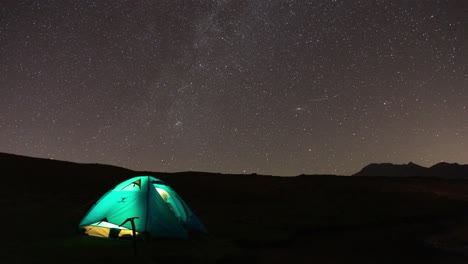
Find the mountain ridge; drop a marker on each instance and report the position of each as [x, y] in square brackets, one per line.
[440, 170]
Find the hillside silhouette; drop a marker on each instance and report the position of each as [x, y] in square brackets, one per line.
[250, 218]
[442, 170]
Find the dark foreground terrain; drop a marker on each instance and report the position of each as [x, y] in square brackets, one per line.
[251, 218]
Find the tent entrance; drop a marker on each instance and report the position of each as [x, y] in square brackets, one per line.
[169, 197]
[109, 230]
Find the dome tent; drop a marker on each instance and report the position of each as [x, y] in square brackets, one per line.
[147, 202]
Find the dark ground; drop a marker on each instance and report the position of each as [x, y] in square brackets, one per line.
[251, 218]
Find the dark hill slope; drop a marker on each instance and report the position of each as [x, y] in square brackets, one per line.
[28, 175]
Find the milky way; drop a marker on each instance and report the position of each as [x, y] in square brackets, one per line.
[266, 87]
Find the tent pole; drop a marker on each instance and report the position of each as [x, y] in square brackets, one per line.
[131, 219]
[134, 237]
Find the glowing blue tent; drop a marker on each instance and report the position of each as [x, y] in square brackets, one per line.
[150, 204]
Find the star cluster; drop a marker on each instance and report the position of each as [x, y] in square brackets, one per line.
[278, 87]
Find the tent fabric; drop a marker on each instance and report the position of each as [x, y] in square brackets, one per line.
[155, 207]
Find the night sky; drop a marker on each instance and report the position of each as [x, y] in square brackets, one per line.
[267, 87]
